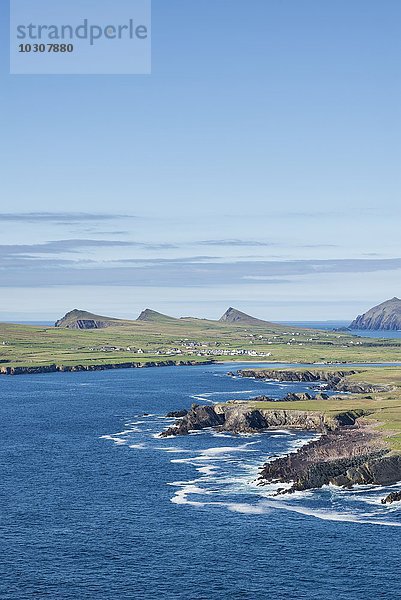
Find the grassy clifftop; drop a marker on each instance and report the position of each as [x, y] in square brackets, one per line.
[381, 410]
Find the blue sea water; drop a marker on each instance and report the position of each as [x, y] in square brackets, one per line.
[331, 325]
[94, 505]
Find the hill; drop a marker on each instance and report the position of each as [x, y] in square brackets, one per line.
[232, 315]
[384, 316]
[81, 319]
[152, 316]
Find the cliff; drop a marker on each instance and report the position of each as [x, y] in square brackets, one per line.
[99, 367]
[336, 380]
[350, 456]
[386, 316]
[347, 453]
[241, 418]
[81, 319]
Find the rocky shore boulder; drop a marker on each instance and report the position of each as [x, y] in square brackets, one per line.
[393, 497]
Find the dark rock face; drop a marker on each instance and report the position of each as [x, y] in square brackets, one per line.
[81, 319]
[290, 397]
[393, 497]
[360, 387]
[102, 367]
[336, 380]
[345, 454]
[344, 458]
[199, 417]
[177, 414]
[384, 316]
[332, 377]
[88, 324]
[237, 418]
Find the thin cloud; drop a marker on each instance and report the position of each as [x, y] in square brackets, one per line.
[234, 243]
[184, 272]
[74, 245]
[60, 217]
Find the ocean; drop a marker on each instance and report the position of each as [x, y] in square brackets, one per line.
[94, 505]
[331, 325]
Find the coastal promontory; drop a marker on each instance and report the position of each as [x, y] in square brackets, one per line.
[385, 316]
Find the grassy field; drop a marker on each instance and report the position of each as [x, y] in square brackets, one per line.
[22, 345]
[381, 410]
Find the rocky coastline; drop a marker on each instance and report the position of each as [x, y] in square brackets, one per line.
[34, 370]
[348, 452]
[335, 380]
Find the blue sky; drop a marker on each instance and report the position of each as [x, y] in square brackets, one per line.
[258, 166]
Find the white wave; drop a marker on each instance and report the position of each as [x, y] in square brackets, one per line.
[208, 470]
[283, 431]
[174, 450]
[158, 436]
[330, 515]
[199, 431]
[194, 460]
[137, 446]
[229, 449]
[203, 399]
[127, 431]
[181, 496]
[247, 509]
[113, 438]
[184, 483]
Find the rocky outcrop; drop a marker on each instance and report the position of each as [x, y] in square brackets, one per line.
[177, 414]
[360, 387]
[336, 380]
[87, 324]
[386, 316]
[81, 319]
[346, 453]
[199, 417]
[240, 418]
[99, 367]
[345, 458]
[393, 497]
[332, 377]
[292, 397]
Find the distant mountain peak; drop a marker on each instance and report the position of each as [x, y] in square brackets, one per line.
[82, 319]
[150, 315]
[233, 315]
[384, 316]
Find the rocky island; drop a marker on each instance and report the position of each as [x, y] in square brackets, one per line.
[385, 316]
[359, 435]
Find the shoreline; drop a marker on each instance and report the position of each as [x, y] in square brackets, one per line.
[351, 449]
[55, 368]
[14, 371]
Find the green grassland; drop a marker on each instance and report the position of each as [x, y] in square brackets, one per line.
[381, 410]
[22, 345]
